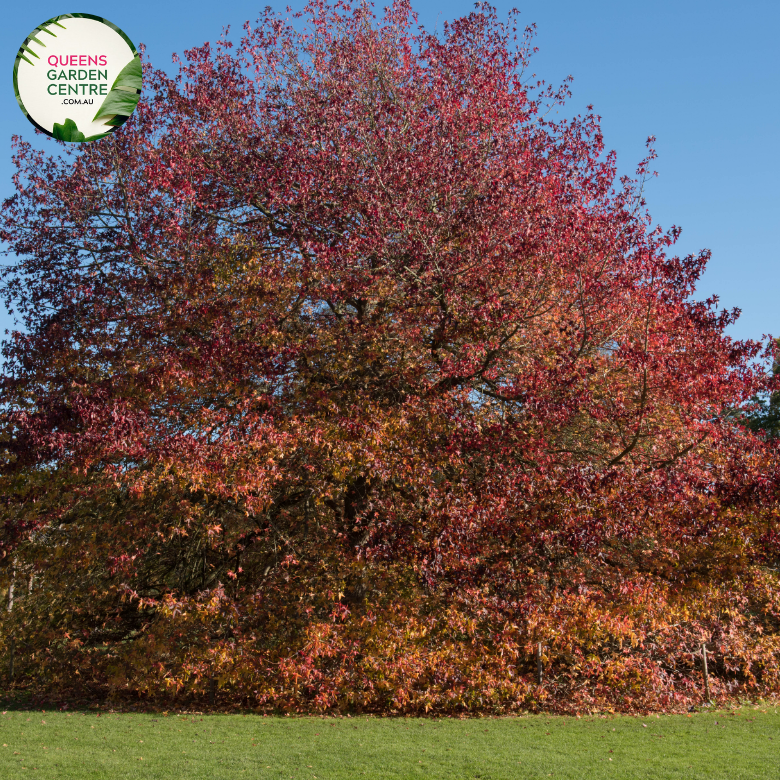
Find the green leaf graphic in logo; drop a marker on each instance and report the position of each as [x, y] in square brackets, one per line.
[31, 37]
[123, 97]
[130, 76]
[68, 132]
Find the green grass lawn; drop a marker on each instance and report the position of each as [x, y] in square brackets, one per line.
[744, 743]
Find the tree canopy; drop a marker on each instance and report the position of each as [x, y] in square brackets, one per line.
[349, 375]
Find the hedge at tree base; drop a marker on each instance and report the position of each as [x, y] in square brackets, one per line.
[640, 655]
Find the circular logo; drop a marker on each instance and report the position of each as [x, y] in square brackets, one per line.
[77, 77]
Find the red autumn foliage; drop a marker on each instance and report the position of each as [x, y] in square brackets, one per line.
[348, 376]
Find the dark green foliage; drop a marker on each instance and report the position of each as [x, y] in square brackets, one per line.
[766, 417]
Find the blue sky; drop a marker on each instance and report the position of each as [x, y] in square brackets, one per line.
[702, 76]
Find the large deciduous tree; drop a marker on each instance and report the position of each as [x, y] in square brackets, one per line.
[348, 376]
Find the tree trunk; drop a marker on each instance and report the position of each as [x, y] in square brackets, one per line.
[11, 593]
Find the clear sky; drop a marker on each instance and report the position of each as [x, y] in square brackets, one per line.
[703, 76]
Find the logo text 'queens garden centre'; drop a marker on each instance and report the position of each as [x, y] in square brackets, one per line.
[77, 77]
